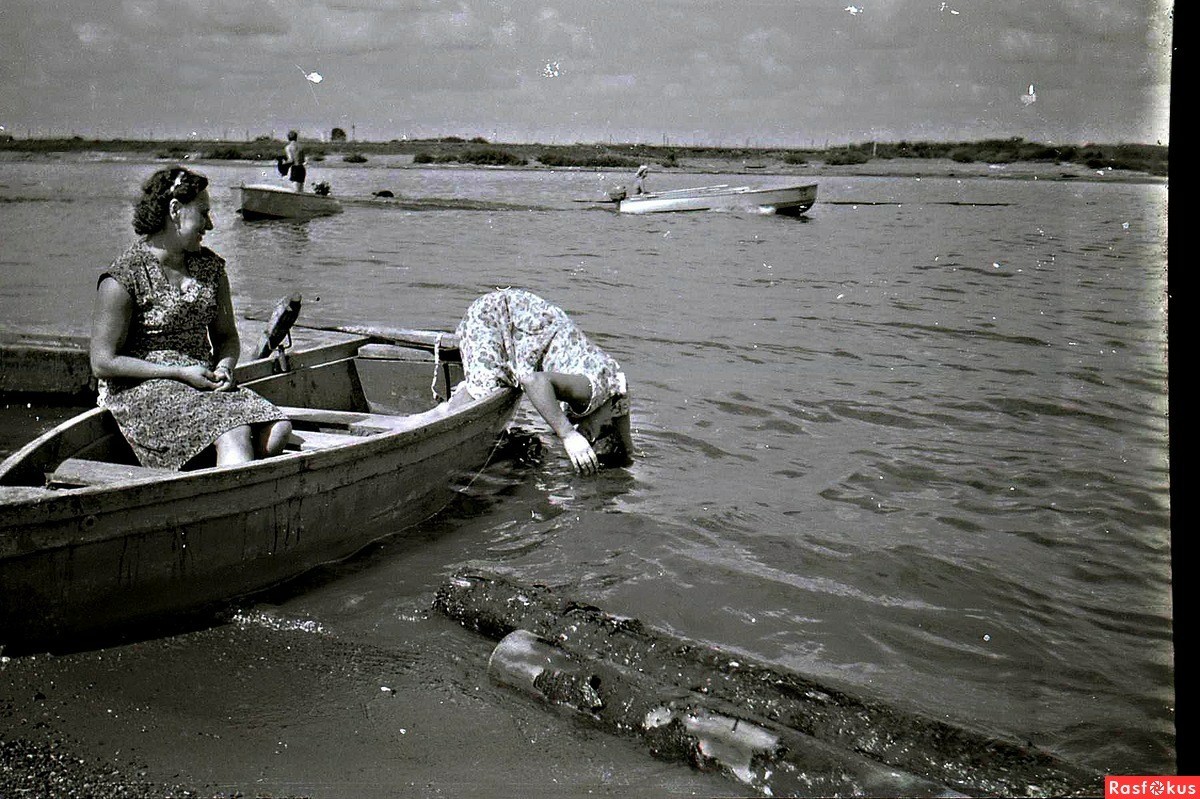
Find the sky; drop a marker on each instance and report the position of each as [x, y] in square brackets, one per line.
[764, 73]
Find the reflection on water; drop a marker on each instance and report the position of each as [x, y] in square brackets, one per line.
[915, 443]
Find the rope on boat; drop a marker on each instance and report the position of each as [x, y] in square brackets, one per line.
[486, 462]
[437, 362]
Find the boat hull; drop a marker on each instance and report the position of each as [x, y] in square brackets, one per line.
[786, 200]
[44, 365]
[272, 202]
[90, 561]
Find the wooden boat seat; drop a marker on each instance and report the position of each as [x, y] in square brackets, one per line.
[82, 472]
[305, 440]
[76, 472]
[353, 422]
[315, 428]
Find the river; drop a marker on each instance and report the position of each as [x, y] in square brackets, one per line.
[914, 443]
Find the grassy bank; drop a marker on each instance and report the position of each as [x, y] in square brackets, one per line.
[1148, 158]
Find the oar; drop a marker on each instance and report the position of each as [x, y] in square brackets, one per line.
[283, 318]
[428, 340]
[407, 337]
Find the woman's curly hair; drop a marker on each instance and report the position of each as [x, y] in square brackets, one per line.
[176, 183]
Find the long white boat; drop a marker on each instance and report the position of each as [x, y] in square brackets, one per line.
[264, 201]
[787, 200]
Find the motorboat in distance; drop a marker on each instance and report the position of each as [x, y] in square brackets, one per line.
[786, 200]
[264, 201]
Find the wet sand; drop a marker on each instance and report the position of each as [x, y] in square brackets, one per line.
[246, 710]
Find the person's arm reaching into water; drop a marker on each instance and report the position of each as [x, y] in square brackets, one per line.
[545, 390]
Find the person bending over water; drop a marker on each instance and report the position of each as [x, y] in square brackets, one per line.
[164, 342]
[512, 337]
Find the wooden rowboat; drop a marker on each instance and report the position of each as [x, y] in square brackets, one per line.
[785, 200]
[264, 201]
[91, 543]
[44, 364]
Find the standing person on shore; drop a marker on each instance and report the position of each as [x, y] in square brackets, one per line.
[511, 337]
[294, 160]
[164, 342]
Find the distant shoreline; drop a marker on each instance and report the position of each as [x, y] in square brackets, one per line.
[915, 168]
[1009, 158]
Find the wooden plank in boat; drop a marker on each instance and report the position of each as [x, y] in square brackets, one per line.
[393, 352]
[322, 417]
[316, 439]
[81, 472]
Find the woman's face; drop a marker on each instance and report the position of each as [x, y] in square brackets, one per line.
[194, 221]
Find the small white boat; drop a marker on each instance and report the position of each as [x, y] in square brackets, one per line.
[264, 201]
[787, 200]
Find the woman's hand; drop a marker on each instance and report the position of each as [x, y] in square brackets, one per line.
[583, 457]
[224, 378]
[200, 377]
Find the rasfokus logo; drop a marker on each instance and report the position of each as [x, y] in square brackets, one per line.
[1147, 786]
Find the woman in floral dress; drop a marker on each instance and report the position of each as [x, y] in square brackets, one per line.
[164, 341]
[514, 338]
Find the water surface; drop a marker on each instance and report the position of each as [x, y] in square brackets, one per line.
[914, 443]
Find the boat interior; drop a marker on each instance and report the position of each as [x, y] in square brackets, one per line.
[333, 395]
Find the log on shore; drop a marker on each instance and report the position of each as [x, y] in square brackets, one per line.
[637, 664]
[695, 729]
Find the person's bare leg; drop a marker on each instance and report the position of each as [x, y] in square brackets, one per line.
[234, 447]
[273, 437]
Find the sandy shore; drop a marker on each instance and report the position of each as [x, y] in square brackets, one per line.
[259, 708]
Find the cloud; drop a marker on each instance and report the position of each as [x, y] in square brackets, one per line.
[96, 35]
[212, 18]
[712, 65]
[554, 32]
[453, 29]
[767, 51]
[1029, 47]
[380, 6]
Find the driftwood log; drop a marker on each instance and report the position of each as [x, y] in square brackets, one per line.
[779, 732]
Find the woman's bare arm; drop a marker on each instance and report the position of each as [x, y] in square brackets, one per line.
[110, 325]
[545, 390]
[223, 334]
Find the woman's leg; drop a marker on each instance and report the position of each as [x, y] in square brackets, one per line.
[272, 438]
[234, 446]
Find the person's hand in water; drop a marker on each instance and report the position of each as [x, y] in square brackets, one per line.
[582, 456]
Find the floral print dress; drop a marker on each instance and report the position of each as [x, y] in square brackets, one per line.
[168, 422]
[511, 333]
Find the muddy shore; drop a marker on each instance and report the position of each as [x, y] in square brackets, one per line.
[265, 707]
